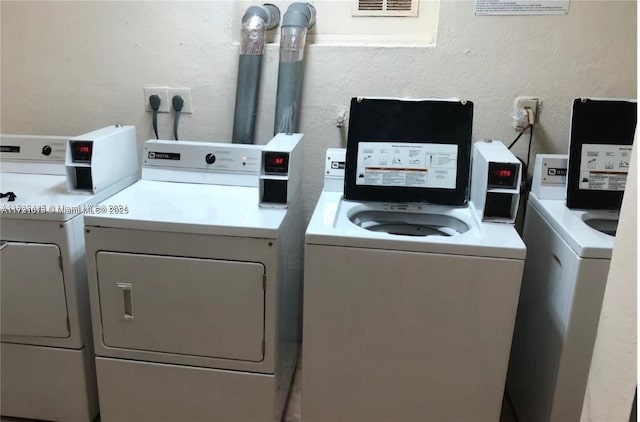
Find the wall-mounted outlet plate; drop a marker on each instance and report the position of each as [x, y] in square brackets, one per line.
[521, 103]
[163, 92]
[185, 93]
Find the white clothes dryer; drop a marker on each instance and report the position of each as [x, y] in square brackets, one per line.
[195, 288]
[47, 354]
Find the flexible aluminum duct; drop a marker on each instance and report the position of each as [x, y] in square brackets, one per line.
[255, 23]
[298, 18]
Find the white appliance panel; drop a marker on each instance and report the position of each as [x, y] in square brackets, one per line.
[33, 292]
[556, 326]
[189, 306]
[47, 383]
[380, 322]
[139, 391]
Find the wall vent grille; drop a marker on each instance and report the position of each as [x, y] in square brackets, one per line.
[392, 8]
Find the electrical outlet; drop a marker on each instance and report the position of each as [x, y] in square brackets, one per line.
[185, 93]
[163, 92]
[521, 103]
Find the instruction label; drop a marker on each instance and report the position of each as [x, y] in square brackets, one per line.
[407, 165]
[521, 7]
[604, 167]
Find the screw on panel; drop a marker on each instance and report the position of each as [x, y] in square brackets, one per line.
[87, 230]
[270, 243]
[62, 226]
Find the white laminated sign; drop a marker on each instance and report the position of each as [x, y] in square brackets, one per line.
[404, 164]
[604, 167]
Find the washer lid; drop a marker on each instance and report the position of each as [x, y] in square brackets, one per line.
[338, 222]
[189, 208]
[36, 193]
[581, 229]
[409, 150]
[602, 135]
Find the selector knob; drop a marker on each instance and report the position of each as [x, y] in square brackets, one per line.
[46, 150]
[210, 158]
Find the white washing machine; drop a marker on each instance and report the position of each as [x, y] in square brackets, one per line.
[195, 288]
[47, 357]
[409, 307]
[564, 280]
[568, 257]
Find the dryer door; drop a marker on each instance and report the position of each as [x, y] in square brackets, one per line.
[188, 306]
[32, 291]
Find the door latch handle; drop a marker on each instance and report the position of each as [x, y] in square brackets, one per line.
[127, 300]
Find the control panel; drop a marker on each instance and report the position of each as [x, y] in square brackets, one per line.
[495, 182]
[33, 154]
[281, 170]
[32, 148]
[209, 156]
[334, 166]
[102, 159]
[550, 176]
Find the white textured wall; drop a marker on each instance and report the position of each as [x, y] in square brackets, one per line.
[612, 379]
[70, 67]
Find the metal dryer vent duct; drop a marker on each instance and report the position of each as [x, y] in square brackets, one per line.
[255, 23]
[298, 18]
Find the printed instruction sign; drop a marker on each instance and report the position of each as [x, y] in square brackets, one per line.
[521, 7]
[604, 167]
[407, 165]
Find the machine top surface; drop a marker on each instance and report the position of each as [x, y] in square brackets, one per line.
[42, 197]
[333, 223]
[190, 208]
[575, 226]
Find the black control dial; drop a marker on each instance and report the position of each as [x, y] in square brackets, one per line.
[46, 150]
[210, 158]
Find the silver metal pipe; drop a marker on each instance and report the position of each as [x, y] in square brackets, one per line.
[256, 21]
[298, 18]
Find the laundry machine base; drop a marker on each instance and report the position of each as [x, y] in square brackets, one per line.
[146, 391]
[47, 383]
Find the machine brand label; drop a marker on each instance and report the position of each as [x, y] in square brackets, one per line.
[154, 155]
[338, 165]
[556, 172]
[9, 148]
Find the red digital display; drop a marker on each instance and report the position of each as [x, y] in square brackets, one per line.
[81, 151]
[502, 173]
[276, 161]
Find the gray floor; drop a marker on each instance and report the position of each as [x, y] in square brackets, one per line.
[292, 414]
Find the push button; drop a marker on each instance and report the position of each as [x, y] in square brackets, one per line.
[46, 150]
[210, 158]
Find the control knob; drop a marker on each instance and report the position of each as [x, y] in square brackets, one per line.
[46, 150]
[210, 158]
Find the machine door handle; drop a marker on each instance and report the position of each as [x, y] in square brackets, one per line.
[127, 300]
